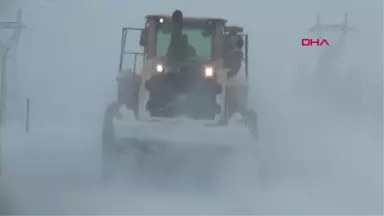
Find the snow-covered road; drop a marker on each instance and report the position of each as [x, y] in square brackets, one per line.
[327, 169]
[314, 159]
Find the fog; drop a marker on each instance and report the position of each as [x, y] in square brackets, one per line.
[321, 141]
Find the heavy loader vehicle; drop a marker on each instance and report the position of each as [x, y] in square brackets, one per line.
[188, 102]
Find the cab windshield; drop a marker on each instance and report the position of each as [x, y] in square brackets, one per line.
[198, 38]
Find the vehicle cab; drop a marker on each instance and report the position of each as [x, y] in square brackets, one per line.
[204, 35]
[164, 78]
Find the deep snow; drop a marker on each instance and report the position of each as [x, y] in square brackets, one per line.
[315, 159]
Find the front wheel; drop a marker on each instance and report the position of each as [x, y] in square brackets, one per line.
[250, 118]
[108, 142]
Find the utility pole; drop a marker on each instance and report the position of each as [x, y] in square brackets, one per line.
[6, 46]
[328, 74]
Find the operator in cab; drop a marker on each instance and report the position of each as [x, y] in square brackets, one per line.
[176, 49]
[179, 48]
[190, 51]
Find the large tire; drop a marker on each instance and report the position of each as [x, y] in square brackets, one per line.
[251, 122]
[108, 143]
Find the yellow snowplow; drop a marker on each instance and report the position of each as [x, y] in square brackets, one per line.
[187, 104]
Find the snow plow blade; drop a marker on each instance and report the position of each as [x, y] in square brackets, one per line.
[183, 132]
[170, 148]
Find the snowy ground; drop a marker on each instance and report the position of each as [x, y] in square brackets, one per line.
[314, 160]
[311, 167]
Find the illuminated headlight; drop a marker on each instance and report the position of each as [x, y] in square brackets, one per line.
[159, 68]
[161, 20]
[208, 71]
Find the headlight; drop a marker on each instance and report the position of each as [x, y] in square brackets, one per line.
[159, 68]
[208, 71]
